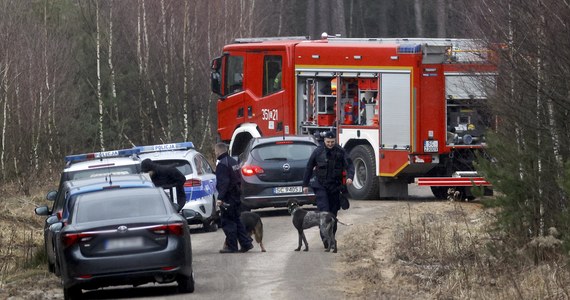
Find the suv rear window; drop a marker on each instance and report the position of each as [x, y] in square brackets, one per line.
[292, 151]
[182, 165]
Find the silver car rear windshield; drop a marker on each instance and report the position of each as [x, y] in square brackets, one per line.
[118, 204]
[282, 151]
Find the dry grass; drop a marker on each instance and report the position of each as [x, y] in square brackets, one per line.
[21, 234]
[445, 251]
[22, 256]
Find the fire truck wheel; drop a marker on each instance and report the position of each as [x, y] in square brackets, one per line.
[440, 192]
[365, 183]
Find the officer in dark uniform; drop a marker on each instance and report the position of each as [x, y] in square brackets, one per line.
[166, 177]
[228, 185]
[328, 161]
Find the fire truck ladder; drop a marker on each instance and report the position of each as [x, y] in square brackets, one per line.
[462, 50]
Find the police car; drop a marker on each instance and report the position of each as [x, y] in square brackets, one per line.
[83, 166]
[200, 186]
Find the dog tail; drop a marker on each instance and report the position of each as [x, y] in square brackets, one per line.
[258, 232]
[338, 221]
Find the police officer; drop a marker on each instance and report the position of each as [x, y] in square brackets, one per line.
[328, 161]
[228, 185]
[166, 177]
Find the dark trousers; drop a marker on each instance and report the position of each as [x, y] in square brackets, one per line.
[327, 201]
[235, 231]
[180, 196]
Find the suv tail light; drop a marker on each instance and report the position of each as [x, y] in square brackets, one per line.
[251, 170]
[193, 182]
[69, 239]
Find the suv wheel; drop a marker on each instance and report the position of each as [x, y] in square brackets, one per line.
[71, 293]
[185, 284]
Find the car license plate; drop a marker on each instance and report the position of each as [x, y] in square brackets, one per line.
[431, 146]
[124, 243]
[287, 189]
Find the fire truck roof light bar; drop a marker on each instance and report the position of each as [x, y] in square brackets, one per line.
[100, 155]
[269, 39]
[409, 48]
[165, 147]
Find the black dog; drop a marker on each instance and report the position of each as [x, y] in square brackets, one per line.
[253, 226]
[303, 219]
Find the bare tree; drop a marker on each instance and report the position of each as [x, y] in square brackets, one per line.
[99, 96]
[311, 19]
[338, 23]
[441, 9]
[418, 18]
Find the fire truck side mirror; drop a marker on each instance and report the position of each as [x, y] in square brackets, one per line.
[215, 77]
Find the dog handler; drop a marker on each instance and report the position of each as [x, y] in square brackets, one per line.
[328, 162]
[228, 185]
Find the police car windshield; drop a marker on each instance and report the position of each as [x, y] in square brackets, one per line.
[92, 173]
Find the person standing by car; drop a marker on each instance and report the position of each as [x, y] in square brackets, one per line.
[228, 185]
[328, 161]
[166, 177]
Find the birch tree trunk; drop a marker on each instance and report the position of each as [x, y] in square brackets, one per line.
[147, 76]
[140, 102]
[185, 95]
[252, 18]
[338, 22]
[324, 22]
[418, 18]
[281, 14]
[383, 19]
[46, 74]
[169, 117]
[112, 69]
[4, 74]
[311, 22]
[99, 96]
[441, 17]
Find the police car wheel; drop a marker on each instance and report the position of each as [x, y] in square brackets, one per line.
[210, 225]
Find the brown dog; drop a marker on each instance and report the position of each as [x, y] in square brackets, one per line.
[253, 226]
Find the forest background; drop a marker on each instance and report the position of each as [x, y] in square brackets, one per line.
[82, 76]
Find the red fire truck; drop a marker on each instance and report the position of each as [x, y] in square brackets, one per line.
[406, 110]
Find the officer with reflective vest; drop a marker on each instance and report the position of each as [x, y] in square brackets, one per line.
[228, 185]
[328, 162]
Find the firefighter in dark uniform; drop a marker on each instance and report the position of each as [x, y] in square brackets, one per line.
[328, 161]
[228, 185]
[166, 177]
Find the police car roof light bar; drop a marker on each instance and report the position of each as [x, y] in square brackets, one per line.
[165, 147]
[101, 155]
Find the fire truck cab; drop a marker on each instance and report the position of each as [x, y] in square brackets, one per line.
[404, 109]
